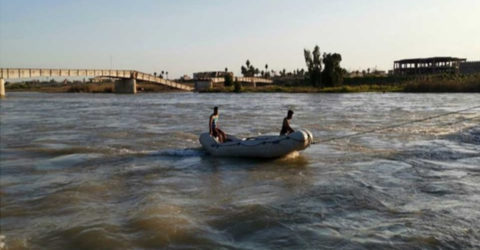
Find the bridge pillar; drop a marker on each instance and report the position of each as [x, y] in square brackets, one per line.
[126, 86]
[2, 87]
[203, 85]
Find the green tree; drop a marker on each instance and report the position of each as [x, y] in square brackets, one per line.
[332, 75]
[314, 65]
[228, 80]
[237, 87]
[249, 70]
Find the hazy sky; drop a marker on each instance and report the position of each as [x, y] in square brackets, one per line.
[188, 36]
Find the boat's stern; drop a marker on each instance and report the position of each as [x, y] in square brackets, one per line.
[208, 142]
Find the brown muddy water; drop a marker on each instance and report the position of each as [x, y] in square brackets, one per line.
[106, 171]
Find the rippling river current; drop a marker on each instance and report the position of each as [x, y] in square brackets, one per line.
[100, 171]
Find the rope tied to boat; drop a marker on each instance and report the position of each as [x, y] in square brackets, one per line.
[399, 125]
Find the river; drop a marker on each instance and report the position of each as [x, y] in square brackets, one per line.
[106, 171]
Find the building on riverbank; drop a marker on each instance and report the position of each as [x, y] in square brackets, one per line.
[210, 74]
[472, 67]
[424, 66]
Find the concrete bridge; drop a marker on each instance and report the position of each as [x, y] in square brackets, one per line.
[126, 82]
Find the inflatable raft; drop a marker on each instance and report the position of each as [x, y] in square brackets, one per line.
[258, 147]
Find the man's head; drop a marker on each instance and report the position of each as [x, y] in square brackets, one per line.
[215, 110]
[290, 114]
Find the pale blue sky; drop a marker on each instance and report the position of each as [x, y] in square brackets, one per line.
[187, 36]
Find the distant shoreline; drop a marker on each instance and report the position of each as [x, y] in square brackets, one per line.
[427, 84]
[308, 89]
[400, 88]
[443, 84]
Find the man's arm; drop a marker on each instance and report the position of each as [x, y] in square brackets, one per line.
[210, 124]
[289, 129]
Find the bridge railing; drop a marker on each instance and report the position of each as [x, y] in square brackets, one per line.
[152, 78]
[13, 73]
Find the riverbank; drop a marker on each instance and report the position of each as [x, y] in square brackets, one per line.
[424, 84]
[309, 89]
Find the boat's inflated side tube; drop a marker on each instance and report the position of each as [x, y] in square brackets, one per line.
[258, 147]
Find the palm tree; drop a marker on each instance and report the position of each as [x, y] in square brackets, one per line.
[166, 74]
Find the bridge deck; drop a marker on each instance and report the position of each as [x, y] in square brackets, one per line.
[13, 73]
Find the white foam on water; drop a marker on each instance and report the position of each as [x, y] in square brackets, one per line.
[2, 241]
[292, 155]
[187, 152]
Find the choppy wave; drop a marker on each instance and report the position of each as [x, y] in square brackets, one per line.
[111, 175]
[470, 135]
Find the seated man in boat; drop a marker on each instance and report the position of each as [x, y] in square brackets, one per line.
[213, 125]
[286, 129]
